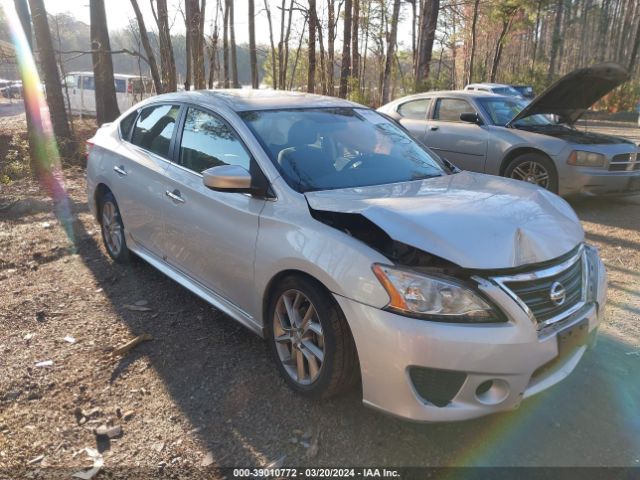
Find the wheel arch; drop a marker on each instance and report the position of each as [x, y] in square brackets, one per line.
[518, 151]
[100, 191]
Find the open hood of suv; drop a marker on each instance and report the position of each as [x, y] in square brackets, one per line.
[573, 94]
[473, 220]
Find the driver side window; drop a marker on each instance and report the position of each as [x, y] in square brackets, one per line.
[449, 109]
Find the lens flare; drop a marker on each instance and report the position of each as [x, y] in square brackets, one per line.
[45, 154]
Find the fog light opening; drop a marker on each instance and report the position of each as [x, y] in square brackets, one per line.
[492, 392]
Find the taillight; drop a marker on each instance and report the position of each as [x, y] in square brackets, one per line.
[130, 87]
[89, 146]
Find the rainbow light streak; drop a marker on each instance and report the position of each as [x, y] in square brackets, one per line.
[42, 139]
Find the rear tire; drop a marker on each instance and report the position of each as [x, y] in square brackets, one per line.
[113, 229]
[534, 168]
[310, 339]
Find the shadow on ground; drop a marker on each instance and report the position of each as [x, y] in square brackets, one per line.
[221, 377]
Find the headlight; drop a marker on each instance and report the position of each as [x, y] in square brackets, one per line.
[580, 158]
[433, 298]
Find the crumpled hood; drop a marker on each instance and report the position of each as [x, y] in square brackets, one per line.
[573, 94]
[474, 220]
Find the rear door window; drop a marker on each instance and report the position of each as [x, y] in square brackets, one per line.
[88, 83]
[154, 128]
[416, 109]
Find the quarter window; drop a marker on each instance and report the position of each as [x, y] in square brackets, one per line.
[416, 109]
[126, 123]
[449, 109]
[154, 128]
[208, 142]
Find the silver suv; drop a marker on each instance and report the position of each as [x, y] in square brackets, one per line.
[354, 251]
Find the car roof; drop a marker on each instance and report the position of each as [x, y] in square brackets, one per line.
[490, 85]
[241, 100]
[115, 75]
[447, 93]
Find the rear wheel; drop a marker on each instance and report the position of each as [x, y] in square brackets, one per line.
[310, 339]
[113, 229]
[534, 168]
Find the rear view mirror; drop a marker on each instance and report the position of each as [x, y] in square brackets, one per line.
[227, 178]
[471, 118]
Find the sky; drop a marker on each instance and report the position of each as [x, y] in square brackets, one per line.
[119, 12]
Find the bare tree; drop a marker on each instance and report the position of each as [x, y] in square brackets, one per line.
[234, 54]
[105, 89]
[311, 72]
[167, 59]
[252, 45]
[331, 36]
[345, 70]
[274, 73]
[391, 46]
[225, 44]
[556, 40]
[144, 38]
[355, 54]
[472, 52]
[507, 13]
[427, 34]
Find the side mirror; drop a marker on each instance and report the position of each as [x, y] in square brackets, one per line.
[471, 118]
[227, 178]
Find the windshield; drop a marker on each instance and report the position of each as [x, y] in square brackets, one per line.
[329, 148]
[502, 110]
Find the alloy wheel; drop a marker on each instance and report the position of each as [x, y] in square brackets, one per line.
[532, 172]
[298, 337]
[111, 228]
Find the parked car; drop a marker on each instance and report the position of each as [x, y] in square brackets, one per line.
[525, 91]
[497, 88]
[502, 135]
[130, 89]
[12, 90]
[322, 226]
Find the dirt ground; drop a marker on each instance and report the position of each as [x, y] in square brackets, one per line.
[204, 393]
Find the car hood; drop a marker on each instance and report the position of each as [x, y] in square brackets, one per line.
[573, 94]
[476, 221]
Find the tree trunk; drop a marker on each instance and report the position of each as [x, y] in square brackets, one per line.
[535, 39]
[22, 9]
[391, 46]
[188, 46]
[274, 73]
[144, 38]
[323, 71]
[285, 57]
[167, 59]
[633, 57]
[346, 50]
[313, 22]
[331, 26]
[234, 55]
[252, 45]
[106, 102]
[295, 61]
[427, 35]
[355, 54]
[472, 52]
[193, 21]
[555, 41]
[225, 44]
[506, 25]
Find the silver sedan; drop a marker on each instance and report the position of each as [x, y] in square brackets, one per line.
[356, 253]
[532, 141]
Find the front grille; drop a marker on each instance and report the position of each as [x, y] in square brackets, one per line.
[536, 294]
[624, 162]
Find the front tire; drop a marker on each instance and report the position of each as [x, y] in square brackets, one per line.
[534, 168]
[113, 229]
[310, 339]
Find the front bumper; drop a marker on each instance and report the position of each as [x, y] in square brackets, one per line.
[590, 182]
[519, 359]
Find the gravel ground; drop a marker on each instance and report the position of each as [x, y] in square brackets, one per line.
[204, 393]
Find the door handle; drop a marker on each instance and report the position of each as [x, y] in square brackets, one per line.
[175, 196]
[120, 170]
[433, 128]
